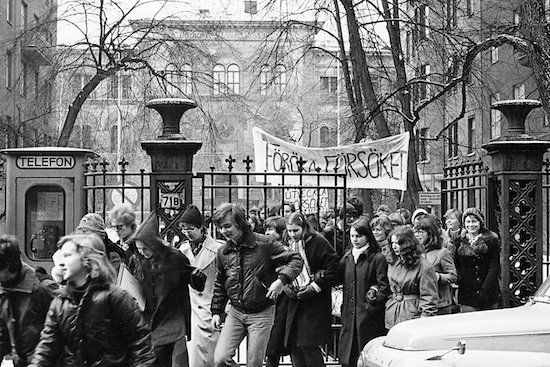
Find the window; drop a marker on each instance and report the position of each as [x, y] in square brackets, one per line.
[114, 138]
[25, 79]
[36, 84]
[494, 54]
[421, 89]
[495, 118]
[408, 45]
[421, 22]
[10, 73]
[250, 7]
[172, 79]
[24, 14]
[279, 79]
[471, 133]
[125, 86]
[186, 86]
[324, 137]
[86, 136]
[76, 84]
[264, 80]
[272, 81]
[10, 11]
[233, 78]
[519, 91]
[219, 79]
[329, 84]
[422, 145]
[453, 140]
[517, 18]
[452, 18]
[469, 8]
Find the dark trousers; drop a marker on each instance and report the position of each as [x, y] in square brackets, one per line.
[164, 355]
[307, 356]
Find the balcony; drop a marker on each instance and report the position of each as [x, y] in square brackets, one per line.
[35, 49]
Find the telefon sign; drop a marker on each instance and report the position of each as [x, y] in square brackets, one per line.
[45, 161]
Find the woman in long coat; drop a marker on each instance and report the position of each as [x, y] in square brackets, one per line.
[308, 323]
[363, 269]
[478, 263]
[413, 280]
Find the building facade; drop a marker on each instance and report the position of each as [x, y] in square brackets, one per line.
[27, 42]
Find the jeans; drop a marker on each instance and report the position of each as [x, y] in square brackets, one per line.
[257, 326]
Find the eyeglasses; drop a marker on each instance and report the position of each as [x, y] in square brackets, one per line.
[419, 231]
[118, 227]
[190, 229]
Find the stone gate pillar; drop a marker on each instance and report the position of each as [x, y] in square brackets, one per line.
[517, 180]
[171, 165]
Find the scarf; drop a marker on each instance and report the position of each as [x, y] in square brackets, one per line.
[356, 252]
[472, 246]
[304, 278]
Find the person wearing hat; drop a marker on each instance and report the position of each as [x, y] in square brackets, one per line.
[93, 223]
[201, 250]
[478, 264]
[164, 274]
[25, 297]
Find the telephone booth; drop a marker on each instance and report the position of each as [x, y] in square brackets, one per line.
[45, 197]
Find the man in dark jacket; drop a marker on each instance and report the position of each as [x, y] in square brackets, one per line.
[164, 274]
[252, 270]
[24, 301]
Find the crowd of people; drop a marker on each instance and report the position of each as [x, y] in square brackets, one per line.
[268, 274]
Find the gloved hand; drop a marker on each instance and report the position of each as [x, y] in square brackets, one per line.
[290, 291]
[197, 280]
[371, 294]
[306, 292]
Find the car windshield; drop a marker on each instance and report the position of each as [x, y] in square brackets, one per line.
[543, 293]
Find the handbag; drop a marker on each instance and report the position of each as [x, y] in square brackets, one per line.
[337, 296]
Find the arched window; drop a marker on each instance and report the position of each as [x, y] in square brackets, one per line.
[233, 82]
[172, 79]
[324, 137]
[114, 138]
[264, 80]
[219, 79]
[279, 79]
[186, 85]
[87, 137]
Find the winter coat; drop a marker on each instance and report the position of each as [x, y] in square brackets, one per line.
[446, 273]
[164, 280]
[362, 318]
[310, 319]
[201, 346]
[246, 270]
[479, 270]
[31, 298]
[414, 292]
[105, 328]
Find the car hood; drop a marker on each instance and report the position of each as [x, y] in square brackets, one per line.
[525, 328]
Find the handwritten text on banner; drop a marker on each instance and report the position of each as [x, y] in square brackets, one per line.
[379, 164]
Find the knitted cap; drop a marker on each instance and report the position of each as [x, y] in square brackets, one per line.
[418, 212]
[91, 223]
[192, 215]
[476, 213]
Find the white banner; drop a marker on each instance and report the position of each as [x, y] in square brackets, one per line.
[379, 164]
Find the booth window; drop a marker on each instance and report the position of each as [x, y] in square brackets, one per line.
[44, 220]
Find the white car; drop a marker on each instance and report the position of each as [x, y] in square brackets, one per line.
[517, 336]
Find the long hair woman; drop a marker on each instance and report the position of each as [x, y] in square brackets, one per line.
[309, 309]
[92, 321]
[412, 279]
[427, 233]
